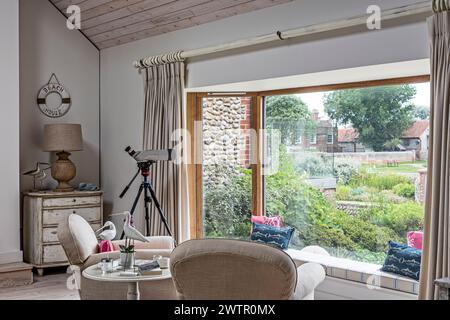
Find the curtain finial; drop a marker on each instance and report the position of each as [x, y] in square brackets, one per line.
[172, 57]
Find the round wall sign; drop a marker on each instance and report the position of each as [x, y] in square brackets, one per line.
[61, 107]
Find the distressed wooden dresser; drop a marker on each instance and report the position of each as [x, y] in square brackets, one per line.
[42, 213]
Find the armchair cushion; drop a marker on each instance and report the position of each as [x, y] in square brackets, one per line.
[78, 239]
[309, 276]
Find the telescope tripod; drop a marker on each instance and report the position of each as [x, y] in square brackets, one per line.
[149, 196]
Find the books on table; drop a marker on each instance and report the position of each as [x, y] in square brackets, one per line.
[148, 267]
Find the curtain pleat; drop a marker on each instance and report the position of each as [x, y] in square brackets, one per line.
[162, 117]
[436, 245]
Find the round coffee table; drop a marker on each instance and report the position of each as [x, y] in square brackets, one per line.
[95, 273]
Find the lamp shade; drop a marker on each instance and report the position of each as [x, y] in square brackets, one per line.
[63, 137]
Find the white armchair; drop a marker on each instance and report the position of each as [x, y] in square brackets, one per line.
[80, 244]
[219, 269]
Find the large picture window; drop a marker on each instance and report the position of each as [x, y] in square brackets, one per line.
[350, 170]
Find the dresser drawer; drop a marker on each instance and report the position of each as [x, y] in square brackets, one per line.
[71, 201]
[50, 235]
[53, 254]
[56, 216]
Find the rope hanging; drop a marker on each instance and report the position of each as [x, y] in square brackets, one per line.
[160, 60]
[441, 5]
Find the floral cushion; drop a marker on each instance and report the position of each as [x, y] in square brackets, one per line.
[403, 260]
[106, 246]
[275, 221]
[415, 239]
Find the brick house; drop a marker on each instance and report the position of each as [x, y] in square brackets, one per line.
[322, 138]
[348, 140]
[417, 138]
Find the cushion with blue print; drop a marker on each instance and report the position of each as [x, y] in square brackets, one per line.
[278, 237]
[403, 260]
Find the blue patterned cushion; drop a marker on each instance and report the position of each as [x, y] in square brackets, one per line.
[403, 260]
[279, 237]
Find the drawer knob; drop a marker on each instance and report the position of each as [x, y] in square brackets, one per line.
[74, 211]
[74, 200]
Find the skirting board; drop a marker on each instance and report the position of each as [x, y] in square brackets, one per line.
[339, 289]
[11, 257]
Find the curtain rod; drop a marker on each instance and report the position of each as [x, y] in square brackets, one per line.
[391, 14]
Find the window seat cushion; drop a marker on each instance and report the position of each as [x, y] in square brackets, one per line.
[403, 260]
[362, 272]
[278, 237]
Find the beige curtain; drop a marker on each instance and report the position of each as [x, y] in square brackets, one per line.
[164, 115]
[435, 259]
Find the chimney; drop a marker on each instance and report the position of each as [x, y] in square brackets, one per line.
[315, 115]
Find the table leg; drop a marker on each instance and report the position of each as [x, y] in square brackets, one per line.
[133, 291]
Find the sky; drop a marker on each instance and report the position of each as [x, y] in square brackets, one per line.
[314, 100]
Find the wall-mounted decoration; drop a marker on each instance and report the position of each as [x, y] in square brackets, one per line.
[58, 107]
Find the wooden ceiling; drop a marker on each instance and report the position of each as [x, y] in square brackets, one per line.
[109, 23]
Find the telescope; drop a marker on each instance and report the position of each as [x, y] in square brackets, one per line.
[145, 159]
[152, 155]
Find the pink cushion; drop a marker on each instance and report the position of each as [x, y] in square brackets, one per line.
[270, 221]
[415, 239]
[106, 246]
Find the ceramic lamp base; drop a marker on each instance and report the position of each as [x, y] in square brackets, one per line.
[63, 171]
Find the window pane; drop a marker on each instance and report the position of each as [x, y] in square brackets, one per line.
[352, 167]
[226, 167]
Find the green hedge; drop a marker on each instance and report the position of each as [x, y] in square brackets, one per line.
[406, 190]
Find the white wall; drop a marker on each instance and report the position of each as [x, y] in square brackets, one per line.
[47, 46]
[121, 86]
[9, 132]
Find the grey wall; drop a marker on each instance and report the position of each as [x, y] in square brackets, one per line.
[121, 86]
[9, 132]
[46, 47]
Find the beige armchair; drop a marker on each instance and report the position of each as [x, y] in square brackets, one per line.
[80, 244]
[218, 269]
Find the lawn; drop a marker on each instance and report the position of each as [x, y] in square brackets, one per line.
[405, 167]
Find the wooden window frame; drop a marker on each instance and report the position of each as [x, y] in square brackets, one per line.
[194, 113]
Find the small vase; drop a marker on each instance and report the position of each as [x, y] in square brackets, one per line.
[127, 260]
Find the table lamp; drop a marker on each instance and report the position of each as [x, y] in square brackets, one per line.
[62, 138]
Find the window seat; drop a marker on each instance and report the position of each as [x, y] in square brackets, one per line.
[356, 271]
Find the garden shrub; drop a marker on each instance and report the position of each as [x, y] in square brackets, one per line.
[344, 171]
[313, 165]
[343, 192]
[365, 234]
[380, 182]
[401, 218]
[228, 208]
[406, 190]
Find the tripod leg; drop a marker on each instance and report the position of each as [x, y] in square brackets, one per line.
[133, 209]
[160, 210]
[147, 211]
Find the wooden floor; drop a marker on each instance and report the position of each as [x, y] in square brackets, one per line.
[52, 286]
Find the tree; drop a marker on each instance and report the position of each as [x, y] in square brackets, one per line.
[380, 114]
[422, 112]
[290, 115]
